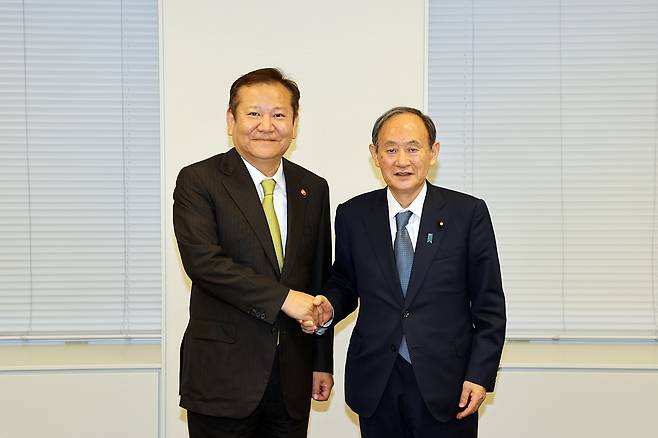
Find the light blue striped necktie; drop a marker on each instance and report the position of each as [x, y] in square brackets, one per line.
[404, 259]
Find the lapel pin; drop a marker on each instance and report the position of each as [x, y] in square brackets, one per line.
[430, 237]
[440, 223]
[303, 192]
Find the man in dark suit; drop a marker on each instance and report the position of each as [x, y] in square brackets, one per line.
[423, 263]
[253, 230]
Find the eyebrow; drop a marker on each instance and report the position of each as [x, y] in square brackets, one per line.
[409, 143]
[278, 108]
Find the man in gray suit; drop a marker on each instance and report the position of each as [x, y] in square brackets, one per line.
[253, 231]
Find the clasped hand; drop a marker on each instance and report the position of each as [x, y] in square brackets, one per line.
[311, 312]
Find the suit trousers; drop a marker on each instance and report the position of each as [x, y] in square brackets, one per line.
[269, 420]
[402, 412]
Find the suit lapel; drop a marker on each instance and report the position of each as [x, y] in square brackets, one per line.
[241, 188]
[430, 233]
[296, 196]
[378, 230]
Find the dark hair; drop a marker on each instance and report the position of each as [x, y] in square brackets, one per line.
[264, 76]
[429, 124]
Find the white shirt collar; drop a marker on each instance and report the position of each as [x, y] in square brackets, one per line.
[416, 206]
[257, 176]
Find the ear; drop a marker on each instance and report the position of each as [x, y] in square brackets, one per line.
[435, 152]
[373, 154]
[230, 121]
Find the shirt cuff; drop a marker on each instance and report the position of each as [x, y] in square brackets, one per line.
[324, 327]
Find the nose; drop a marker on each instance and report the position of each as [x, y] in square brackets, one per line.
[402, 159]
[265, 124]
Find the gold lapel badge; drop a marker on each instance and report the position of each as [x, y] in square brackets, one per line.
[303, 192]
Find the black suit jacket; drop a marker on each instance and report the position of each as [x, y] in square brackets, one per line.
[453, 315]
[237, 291]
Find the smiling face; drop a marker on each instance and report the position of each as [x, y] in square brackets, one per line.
[263, 125]
[404, 156]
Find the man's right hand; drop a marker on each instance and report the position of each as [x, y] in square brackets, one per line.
[324, 309]
[300, 306]
[324, 313]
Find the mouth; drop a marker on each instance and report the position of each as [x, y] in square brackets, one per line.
[403, 174]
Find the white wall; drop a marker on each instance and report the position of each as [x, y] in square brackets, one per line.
[571, 403]
[352, 61]
[77, 403]
[77, 390]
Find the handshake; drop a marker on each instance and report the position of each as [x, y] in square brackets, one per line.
[311, 312]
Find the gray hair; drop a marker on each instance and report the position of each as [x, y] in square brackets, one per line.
[429, 124]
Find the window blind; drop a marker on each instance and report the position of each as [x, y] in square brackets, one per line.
[548, 110]
[79, 168]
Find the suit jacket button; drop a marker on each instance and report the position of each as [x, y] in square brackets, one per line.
[273, 329]
[394, 348]
[406, 314]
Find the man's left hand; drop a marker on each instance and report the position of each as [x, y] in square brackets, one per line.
[322, 384]
[472, 397]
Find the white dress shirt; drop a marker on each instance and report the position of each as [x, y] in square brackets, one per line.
[280, 198]
[416, 208]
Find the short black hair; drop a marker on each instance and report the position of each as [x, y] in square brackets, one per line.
[429, 124]
[268, 75]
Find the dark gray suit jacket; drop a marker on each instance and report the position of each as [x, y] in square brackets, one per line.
[453, 315]
[237, 291]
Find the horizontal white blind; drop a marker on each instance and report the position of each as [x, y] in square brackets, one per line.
[79, 168]
[547, 109]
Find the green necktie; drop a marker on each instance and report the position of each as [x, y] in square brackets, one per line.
[272, 222]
